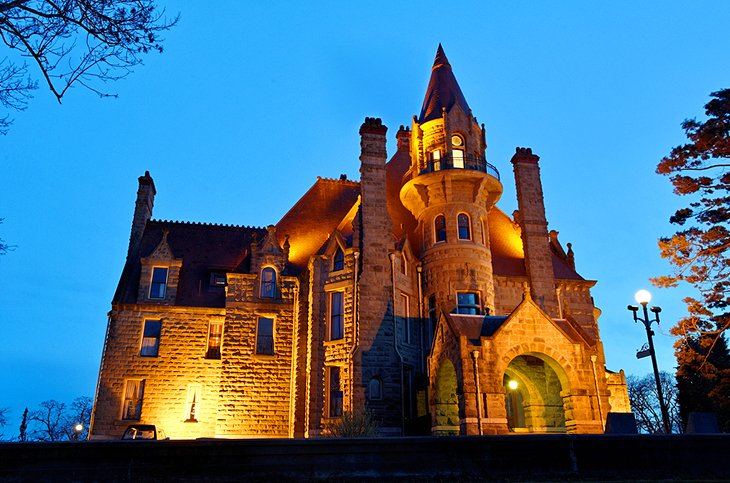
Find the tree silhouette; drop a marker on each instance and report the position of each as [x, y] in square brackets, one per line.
[644, 401]
[73, 42]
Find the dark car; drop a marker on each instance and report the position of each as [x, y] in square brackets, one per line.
[144, 432]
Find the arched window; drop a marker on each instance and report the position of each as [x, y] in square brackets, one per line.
[457, 151]
[440, 226]
[375, 389]
[338, 263]
[268, 283]
[464, 227]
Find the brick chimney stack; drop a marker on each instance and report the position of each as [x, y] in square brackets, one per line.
[142, 211]
[535, 239]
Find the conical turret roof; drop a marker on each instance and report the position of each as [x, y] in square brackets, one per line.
[443, 90]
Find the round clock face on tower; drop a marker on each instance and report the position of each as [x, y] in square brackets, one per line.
[456, 140]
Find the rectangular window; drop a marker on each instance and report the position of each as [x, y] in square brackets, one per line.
[265, 336]
[408, 392]
[467, 303]
[215, 336]
[458, 158]
[334, 399]
[405, 311]
[217, 279]
[158, 287]
[192, 405]
[436, 157]
[132, 402]
[151, 338]
[337, 315]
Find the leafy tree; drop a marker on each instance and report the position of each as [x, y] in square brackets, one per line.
[699, 250]
[645, 403]
[703, 378]
[23, 432]
[74, 42]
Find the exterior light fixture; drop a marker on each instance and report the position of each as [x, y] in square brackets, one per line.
[643, 297]
[78, 428]
[512, 384]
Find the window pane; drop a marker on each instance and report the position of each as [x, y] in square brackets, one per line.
[215, 333]
[464, 227]
[265, 336]
[458, 158]
[132, 404]
[440, 225]
[151, 338]
[375, 389]
[339, 261]
[335, 393]
[467, 303]
[268, 283]
[159, 283]
[337, 315]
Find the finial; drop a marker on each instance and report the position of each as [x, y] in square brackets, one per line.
[526, 291]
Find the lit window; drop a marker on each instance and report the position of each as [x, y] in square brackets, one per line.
[436, 159]
[440, 226]
[132, 403]
[192, 405]
[158, 287]
[215, 336]
[467, 303]
[464, 227]
[334, 400]
[265, 336]
[337, 315]
[457, 152]
[375, 389]
[151, 338]
[217, 279]
[405, 310]
[268, 283]
[339, 261]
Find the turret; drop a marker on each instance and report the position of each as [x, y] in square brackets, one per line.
[450, 189]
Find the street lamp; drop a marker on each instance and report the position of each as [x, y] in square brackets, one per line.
[643, 297]
[78, 428]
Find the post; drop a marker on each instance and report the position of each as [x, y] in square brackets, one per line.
[649, 335]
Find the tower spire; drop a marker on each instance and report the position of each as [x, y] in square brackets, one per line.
[443, 91]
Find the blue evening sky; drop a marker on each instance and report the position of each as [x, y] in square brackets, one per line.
[251, 101]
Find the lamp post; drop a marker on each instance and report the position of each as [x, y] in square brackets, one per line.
[643, 297]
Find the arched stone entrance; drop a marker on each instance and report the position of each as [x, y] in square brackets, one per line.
[534, 388]
[447, 402]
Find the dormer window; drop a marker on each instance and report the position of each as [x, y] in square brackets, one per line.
[457, 151]
[268, 283]
[158, 286]
[338, 263]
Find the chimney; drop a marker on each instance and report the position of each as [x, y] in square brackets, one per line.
[535, 238]
[142, 211]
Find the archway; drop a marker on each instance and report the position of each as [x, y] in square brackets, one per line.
[534, 386]
[447, 402]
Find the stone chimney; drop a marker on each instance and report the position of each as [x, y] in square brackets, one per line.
[142, 211]
[538, 256]
[404, 139]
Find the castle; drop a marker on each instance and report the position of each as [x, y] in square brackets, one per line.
[408, 295]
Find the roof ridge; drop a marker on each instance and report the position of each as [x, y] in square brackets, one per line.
[202, 223]
[337, 180]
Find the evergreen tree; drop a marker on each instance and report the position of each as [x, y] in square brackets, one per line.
[23, 434]
[703, 378]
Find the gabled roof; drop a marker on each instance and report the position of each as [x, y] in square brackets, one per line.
[443, 90]
[315, 216]
[203, 247]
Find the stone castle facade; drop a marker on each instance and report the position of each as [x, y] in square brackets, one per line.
[408, 294]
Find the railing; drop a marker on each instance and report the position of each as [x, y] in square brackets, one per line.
[475, 163]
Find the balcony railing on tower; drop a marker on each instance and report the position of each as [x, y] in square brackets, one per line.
[470, 161]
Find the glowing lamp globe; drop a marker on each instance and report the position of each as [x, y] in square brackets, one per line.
[79, 427]
[512, 384]
[643, 297]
